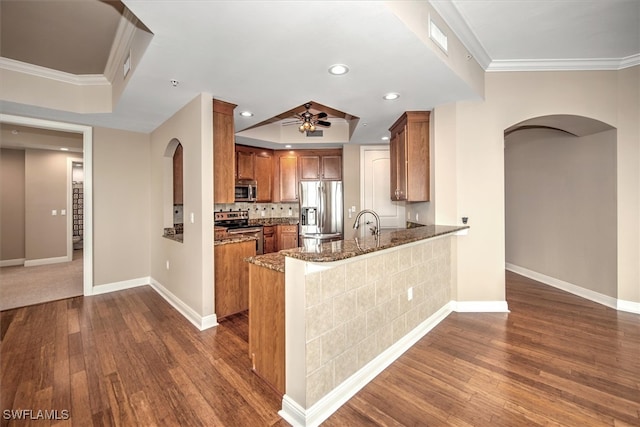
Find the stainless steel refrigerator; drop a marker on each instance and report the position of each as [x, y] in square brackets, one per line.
[320, 212]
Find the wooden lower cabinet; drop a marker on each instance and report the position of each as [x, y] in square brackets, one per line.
[266, 325]
[269, 244]
[287, 236]
[231, 277]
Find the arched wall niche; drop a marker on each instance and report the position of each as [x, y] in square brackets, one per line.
[174, 186]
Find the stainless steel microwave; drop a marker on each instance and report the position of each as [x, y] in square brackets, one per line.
[246, 190]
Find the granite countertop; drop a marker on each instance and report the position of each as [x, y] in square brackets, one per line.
[274, 221]
[273, 261]
[343, 249]
[234, 239]
[174, 237]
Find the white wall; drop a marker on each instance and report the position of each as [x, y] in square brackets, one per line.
[189, 279]
[607, 96]
[560, 201]
[121, 169]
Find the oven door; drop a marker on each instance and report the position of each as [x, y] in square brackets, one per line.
[250, 232]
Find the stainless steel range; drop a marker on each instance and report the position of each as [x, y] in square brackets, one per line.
[237, 223]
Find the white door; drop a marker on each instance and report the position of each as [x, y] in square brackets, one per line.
[374, 186]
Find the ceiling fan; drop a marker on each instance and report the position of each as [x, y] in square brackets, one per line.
[309, 121]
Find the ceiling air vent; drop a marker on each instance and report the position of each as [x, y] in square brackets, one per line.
[314, 134]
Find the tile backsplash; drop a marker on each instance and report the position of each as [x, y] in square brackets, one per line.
[262, 210]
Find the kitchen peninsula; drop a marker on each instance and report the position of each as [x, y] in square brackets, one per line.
[340, 312]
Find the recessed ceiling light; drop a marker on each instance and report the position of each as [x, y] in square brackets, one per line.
[287, 146]
[391, 96]
[338, 69]
[15, 132]
[246, 114]
[385, 138]
[64, 149]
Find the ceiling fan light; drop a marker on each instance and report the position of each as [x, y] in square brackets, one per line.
[301, 128]
[312, 128]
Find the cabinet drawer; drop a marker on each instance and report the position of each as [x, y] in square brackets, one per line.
[289, 228]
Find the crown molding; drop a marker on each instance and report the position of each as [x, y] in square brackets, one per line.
[452, 17]
[48, 73]
[604, 64]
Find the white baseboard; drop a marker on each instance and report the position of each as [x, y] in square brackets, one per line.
[45, 261]
[567, 287]
[12, 262]
[120, 286]
[480, 306]
[629, 306]
[198, 321]
[296, 415]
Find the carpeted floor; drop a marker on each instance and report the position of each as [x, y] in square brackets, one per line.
[22, 286]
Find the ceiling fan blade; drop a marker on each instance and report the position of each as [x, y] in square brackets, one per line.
[323, 123]
[321, 115]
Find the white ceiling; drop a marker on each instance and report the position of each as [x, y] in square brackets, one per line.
[269, 56]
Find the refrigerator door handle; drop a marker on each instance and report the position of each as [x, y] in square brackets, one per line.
[321, 209]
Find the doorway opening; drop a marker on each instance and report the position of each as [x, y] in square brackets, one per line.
[561, 205]
[87, 199]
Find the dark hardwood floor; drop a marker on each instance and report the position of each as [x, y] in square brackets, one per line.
[129, 359]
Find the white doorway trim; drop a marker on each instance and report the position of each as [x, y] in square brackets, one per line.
[87, 142]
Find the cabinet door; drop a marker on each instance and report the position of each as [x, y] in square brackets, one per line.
[402, 164]
[223, 152]
[332, 168]
[178, 176]
[264, 177]
[397, 150]
[288, 169]
[287, 236]
[231, 275]
[269, 239]
[245, 165]
[309, 167]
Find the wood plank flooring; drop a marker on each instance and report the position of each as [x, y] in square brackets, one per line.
[555, 360]
[129, 359]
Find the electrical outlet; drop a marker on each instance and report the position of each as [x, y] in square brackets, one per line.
[54, 212]
[410, 294]
[417, 217]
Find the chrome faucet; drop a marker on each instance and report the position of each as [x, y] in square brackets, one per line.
[374, 230]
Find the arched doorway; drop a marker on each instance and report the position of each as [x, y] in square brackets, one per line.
[560, 204]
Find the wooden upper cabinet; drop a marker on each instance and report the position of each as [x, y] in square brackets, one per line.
[287, 178]
[264, 176]
[178, 176]
[245, 165]
[309, 167]
[223, 152]
[409, 156]
[320, 165]
[331, 168]
[256, 164]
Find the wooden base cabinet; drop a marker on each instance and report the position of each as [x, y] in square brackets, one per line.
[231, 273]
[269, 244]
[266, 325]
[409, 153]
[286, 236]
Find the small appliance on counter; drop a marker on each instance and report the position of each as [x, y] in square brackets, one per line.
[246, 190]
[237, 224]
[320, 212]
